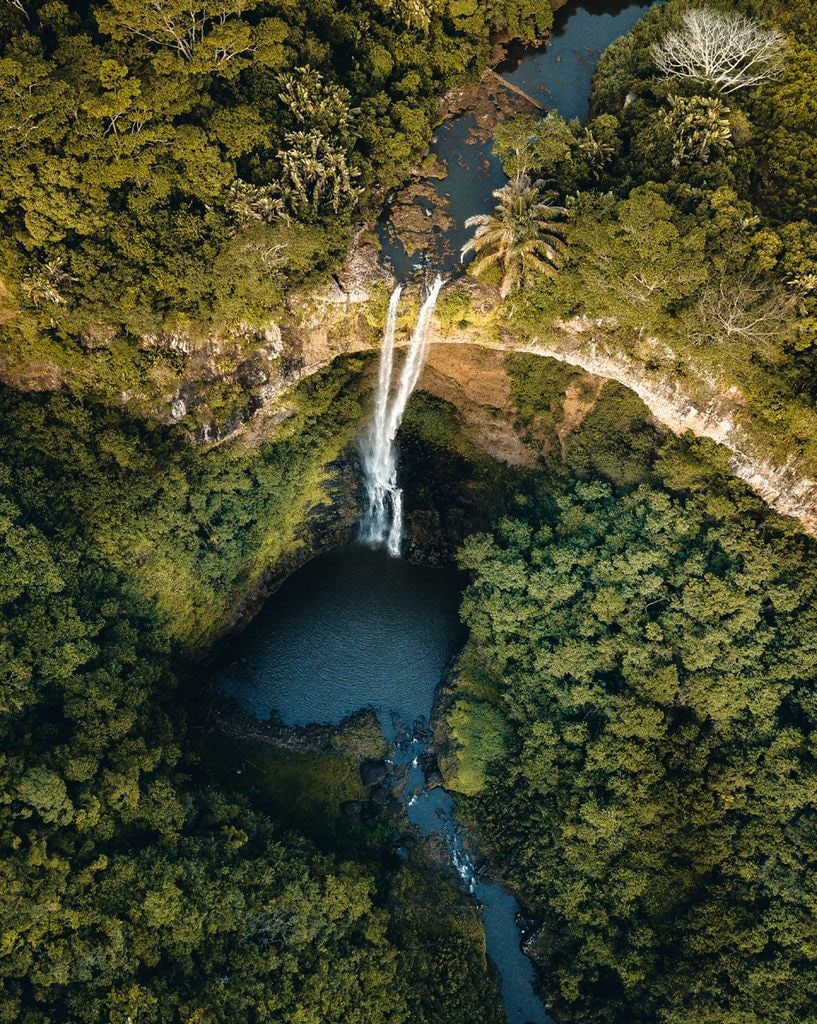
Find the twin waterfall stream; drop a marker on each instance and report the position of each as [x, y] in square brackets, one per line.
[382, 522]
[359, 627]
[431, 808]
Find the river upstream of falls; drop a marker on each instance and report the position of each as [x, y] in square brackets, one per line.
[359, 628]
[557, 76]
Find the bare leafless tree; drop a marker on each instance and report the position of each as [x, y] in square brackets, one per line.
[744, 309]
[214, 32]
[18, 5]
[727, 51]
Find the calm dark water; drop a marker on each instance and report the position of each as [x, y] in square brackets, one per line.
[352, 629]
[356, 628]
[558, 75]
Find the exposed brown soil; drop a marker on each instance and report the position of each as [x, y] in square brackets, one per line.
[580, 399]
[38, 375]
[476, 382]
[6, 305]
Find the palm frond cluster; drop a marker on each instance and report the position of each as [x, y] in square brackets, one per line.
[700, 127]
[523, 236]
[413, 14]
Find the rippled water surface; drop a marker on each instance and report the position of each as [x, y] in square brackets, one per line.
[353, 628]
[559, 74]
[356, 628]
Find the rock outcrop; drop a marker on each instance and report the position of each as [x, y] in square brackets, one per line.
[713, 414]
[695, 403]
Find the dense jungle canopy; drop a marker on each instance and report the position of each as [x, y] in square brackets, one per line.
[635, 719]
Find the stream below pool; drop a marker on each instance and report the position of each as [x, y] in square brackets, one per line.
[357, 629]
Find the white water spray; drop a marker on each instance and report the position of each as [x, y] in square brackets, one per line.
[383, 515]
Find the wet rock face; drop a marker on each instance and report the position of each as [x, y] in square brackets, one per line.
[384, 782]
[373, 773]
[325, 527]
[361, 273]
[417, 213]
[439, 512]
[427, 539]
[438, 516]
[429, 764]
[178, 409]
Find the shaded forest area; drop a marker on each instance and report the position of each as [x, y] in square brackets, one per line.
[642, 657]
[634, 724]
[137, 887]
[167, 164]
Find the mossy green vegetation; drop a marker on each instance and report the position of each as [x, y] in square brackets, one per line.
[173, 167]
[635, 717]
[537, 385]
[443, 945]
[632, 729]
[614, 441]
[657, 656]
[437, 423]
[311, 786]
[140, 881]
[479, 730]
[474, 725]
[631, 725]
[217, 518]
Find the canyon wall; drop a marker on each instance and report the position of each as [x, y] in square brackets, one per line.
[784, 486]
[338, 324]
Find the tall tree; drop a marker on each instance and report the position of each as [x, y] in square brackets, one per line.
[724, 50]
[523, 236]
[206, 35]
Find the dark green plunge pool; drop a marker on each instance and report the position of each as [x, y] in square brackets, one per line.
[352, 629]
[356, 628]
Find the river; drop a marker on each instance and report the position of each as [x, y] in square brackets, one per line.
[355, 628]
[558, 76]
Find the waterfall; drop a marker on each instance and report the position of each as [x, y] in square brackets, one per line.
[383, 514]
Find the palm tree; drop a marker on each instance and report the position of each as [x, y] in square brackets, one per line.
[700, 128]
[315, 174]
[522, 235]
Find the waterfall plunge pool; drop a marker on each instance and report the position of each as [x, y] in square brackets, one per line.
[357, 629]
[354, 629]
